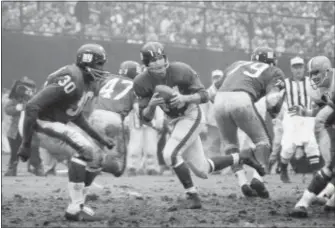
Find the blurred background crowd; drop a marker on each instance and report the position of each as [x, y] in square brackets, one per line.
[292, 27]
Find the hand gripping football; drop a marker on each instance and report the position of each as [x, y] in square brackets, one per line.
[164, 91]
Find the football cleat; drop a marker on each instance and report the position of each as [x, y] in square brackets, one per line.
[260, 188]
[192, 201]
[248, 191]
[248, 158]
[299, 212]
[85, 214]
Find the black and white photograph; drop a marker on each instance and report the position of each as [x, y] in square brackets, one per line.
[167, 114]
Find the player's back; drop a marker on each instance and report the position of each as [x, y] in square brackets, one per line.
[66, 83]
[254, 78]
[116, 95]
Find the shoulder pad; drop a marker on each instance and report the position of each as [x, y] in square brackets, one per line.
[71, 70]
[183, 67]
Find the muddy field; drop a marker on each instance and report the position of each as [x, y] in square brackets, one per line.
[143, 201]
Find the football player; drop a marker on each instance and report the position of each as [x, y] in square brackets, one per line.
[115, 101]
[323, 81]
[245, 83]
[48, 113]
[184, 92]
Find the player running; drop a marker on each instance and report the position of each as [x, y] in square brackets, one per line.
[245, 83]
[184, 148]
[322, 77]
[116, 99]
[48, 113]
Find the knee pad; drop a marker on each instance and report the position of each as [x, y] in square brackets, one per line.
[77, 170]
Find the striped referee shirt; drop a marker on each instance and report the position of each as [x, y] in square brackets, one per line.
[296, 93]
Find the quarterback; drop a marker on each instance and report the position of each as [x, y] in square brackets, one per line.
[48, 113]
[245, 83]
[322, 77]
[177, 89]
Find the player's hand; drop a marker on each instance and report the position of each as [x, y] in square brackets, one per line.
[156, 100]
[178, 100]
[297, 110]
[108, 142]
[24, 153]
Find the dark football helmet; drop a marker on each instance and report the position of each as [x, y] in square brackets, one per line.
[91, 58]
[264, 55]
[154, 58]
[129, 69]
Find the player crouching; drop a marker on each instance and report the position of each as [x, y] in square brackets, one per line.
[48, 113]
[183, 149]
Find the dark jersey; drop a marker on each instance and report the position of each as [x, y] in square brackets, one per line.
[116, 94]
[64, 95]
[179, 76]
[255, 78]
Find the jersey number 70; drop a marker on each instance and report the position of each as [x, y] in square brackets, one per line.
[108, 89]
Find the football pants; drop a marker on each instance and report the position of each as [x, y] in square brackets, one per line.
[184, 143]
[235, 110]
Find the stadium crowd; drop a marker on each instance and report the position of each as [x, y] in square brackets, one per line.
[292, 27]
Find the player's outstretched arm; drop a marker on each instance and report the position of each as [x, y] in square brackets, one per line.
[81, 122]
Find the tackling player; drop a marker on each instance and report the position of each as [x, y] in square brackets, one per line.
[245, 83]
[62, 99]
[323, 81]
[184, 148]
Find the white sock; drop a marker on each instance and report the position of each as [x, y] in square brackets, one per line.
[77, 197]
[191, 190]
[257, 176]
[327, 191]
[211, 166]
[331, 201]
[306, 199]
[236, 158]
[241, 177]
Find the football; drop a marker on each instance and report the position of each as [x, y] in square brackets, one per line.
[164, 91]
